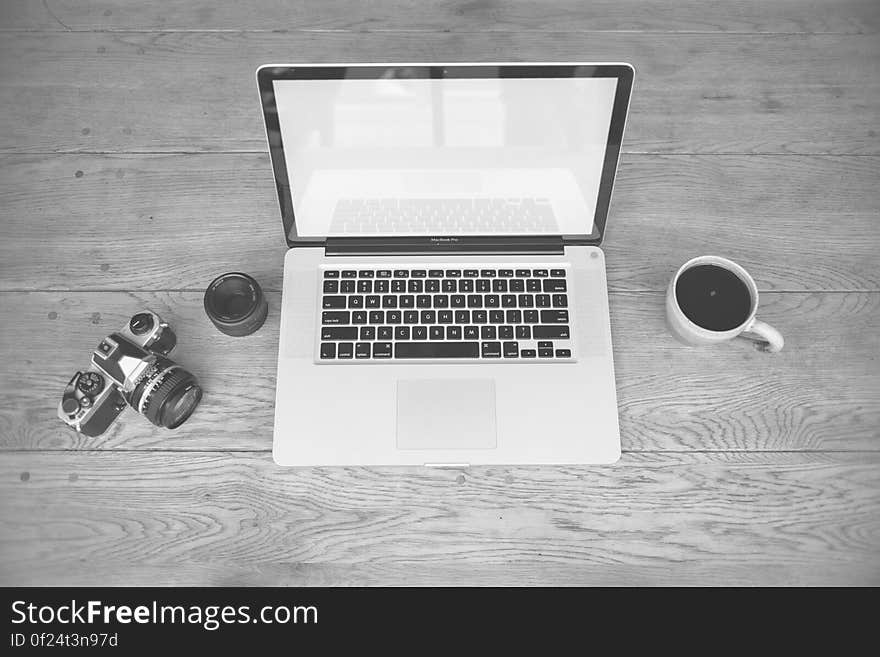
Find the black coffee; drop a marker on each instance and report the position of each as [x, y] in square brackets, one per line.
[713, 297]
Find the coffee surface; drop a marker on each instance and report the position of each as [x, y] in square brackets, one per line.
[713, 297]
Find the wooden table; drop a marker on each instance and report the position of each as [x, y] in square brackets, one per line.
[133, 169]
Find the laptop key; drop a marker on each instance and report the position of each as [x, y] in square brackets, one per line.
[368, 333]
[545, 353]
[457, 301]
[401, 333]
[382, 350]
[491, 350]
[556, 331]
[345, 350]
[505, 332]
[331, 273]
[385, 332]
[435, 273]
[436, 349]
[331, 287]
[364, 287]
[401, 273]
[496, 316]
[339, 333]
[355, 301]
[347, 287]
[511, 349]
[334, 302]
[420, 333]
[530, 316]
[523, 333]
[563, 353]
[349, 274]
[560, 301]
[372, 301]
[411, 317]
[554, 285]
[377, 316]
[423, 301]
[436, 333]
[524, 272]
[362, 350]
[471, 273]
[453, 273]
[471, 333]
[359, 317]
[554, 317]
[488, 333]
[453, 333]
[542, 300]
[540, 273]
[336, 317]
[383, 273]
[557, 273]
[528, 353]
[328, 350]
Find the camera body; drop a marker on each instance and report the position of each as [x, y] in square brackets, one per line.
[131, 367]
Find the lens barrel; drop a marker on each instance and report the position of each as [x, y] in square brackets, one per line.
[235, 304]
[168, 396]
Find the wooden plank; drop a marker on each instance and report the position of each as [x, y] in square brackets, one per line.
[122, 222]
[196, 91]
[238, 519]
[821, 393]
[852, 16]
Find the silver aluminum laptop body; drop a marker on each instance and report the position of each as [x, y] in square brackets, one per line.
[444, 297]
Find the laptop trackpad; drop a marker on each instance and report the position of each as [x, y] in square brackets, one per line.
[446, 414]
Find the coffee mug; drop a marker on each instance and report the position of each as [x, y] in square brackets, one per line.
[712, 299]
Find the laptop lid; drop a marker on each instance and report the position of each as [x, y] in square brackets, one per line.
[449, 155]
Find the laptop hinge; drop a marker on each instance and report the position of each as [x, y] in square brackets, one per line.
[483, 245]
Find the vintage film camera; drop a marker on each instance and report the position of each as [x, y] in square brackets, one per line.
[131, 367]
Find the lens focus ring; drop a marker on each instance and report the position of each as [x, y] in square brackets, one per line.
[154, 401]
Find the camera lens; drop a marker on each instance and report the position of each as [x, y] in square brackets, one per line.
[167, 396]
[235, 304]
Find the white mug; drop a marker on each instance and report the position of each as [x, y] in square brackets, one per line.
[686, 331]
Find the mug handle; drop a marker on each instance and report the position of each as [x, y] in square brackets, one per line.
[766, 337]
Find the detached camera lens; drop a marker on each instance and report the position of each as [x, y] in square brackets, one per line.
[235, 304]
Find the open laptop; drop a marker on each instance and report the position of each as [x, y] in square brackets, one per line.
[444, 296]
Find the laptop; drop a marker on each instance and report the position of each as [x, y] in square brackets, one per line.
[444, 297]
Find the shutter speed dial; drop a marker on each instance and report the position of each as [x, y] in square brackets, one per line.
[90, 383]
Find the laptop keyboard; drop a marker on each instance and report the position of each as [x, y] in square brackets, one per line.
[508, 314]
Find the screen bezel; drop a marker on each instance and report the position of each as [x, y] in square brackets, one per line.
[267, 74]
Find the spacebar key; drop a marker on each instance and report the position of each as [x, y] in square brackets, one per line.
[436, 349]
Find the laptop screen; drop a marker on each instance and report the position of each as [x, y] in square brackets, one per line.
[408, 151]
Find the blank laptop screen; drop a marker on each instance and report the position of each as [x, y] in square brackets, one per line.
[413, 156]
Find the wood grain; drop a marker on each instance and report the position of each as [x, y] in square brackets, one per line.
[821, 392]
[196, 92]
[850, 16]
[238, 519]
[175, 221]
